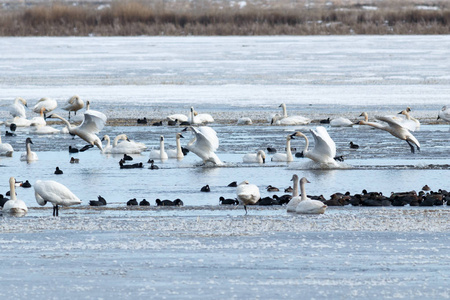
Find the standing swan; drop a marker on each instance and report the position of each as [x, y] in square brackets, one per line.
[5, 149]
[307, 205]
[394, 128]
[287, 157]
[14, 206]
[204, 144]
[258, 157]
[178, 152]
[75, 103]
[292, 120]
[29, 155]
[18, 108]
[324, 149]
[54, 192]
[93, 122]
[46, 103]
[295, 200]
[159, 154]
[247, 194]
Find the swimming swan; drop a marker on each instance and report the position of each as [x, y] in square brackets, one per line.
[307, 205]
[179, 117]
[247, 194]
[75, 103]
[5, 149]
[295, 200]
[54, 192]
[159, 154]
[43, 129]
[93, 122]
[258, 157]
[394, 128]
[204, 144]
[195, 118]
[341, 122]
[39, 120]
[287, 157]
[292, 120]
[127, 146]
[324, 149]
[178, 152]
[444, 114]
[14, 206]
[18, 108]
[46, 103]
[29, 155]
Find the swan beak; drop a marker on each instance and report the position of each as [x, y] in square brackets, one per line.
[400, 112]
[438, 118]
[51, 116]
[128, 139]
[185, 129]
[292, 136]
[307, 181]
[102, 139]
[181, 136]
[264, 160]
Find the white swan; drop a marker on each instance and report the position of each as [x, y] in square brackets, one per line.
[107, 148]
[394, 128]
[54, 192]
[43, 129]
[75, 103]
[14, 206]
[258, 157]
[195, 118]
[204, 144]
[295, 200]
[5, 149]
[18, 108]
[179, 117]
[444, 114]
[29, 155]
[286, 120]
[19, 121]
[244, 121]
[161, 153]
[93, 122]
[286, 157]
[39, 120]
[127, 146]
[307, 205]
[341, 122]
[247, 194]
[177, 152]
[324, 149]
[47, 103]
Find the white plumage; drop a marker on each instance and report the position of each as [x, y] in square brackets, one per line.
[29, 155]
[341, 122]
[47, 104]
[444, 114]
[161, 153]
[285, 157]
[177, 152]
[247, 194]
[324, 149]
[17, 109]
[127, 146]
[286, 120]
[204, 144]
[295, 200]
[307, 205]
[75, 103]
[5, 149]
[258, 157]
[54, 192]
[14, 206]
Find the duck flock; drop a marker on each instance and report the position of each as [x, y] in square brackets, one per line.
[204, 145]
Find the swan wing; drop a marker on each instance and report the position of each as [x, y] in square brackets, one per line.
[394, 123]
[206, 138]
[323, 144]
[93, 122]
[54, 192]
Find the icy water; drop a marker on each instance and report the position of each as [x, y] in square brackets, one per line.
[202, 249]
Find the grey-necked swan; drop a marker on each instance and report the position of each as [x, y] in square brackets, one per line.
[161, 153]
[5, 149]
[93, 123]
[324, 149]
[258, 157]
[177, 152]
[204, 144]
[54, 192]
[394, 128]
[75, 103]
[286, 120]
[295, 200]
[307, 205]
[29, 155]
[14, 206]
[247, 194]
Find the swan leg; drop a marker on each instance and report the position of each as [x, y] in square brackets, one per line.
[412, 147]
[86, 147]
[245, 207]
[69, 115]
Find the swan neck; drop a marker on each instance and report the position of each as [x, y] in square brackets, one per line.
[306, 145]
[28, 148]
[12, 188]
[302, 190]
[69, 127]
[179, 151]
[295, 189]
[288, 150]
[283, 106]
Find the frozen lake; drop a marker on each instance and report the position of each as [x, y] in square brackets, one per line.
[202, 249]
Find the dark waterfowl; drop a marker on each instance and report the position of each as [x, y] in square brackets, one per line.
[127, 157]
[144, 203]
[3, 200]
[233, 184]
[100, 202]
[224, 201]
[172, 122]
[205, 189]
[74, 160]
[132, 202]
[153, 166]
[26, 184]
[271, 150]
[58, 171]
[73, 150]
[353, 146]
[132, 166]
[157, 123]
[272, 189]
[325, 121]
[142, 121]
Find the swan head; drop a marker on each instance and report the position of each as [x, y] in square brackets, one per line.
[262, 154]
[24, 102]
[179, 135]
[161, 138]
[294, 178]
[28, 141]
[304, 180]
[105, 138]
[282, 105]
[244, 182]
[297, 133]
[408, 109]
